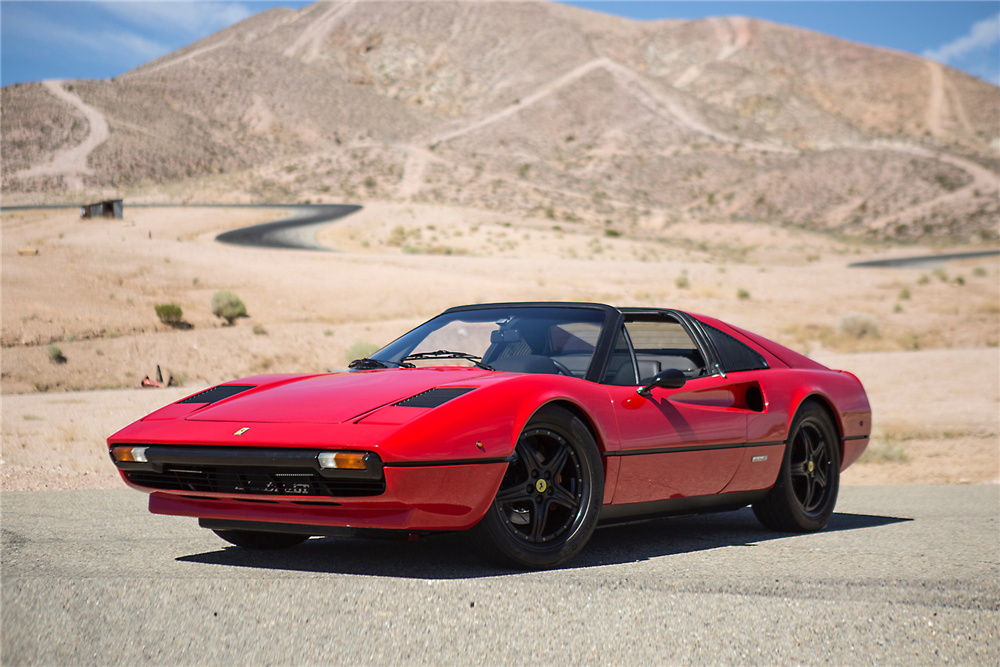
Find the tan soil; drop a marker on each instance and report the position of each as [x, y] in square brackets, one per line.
[92, 288]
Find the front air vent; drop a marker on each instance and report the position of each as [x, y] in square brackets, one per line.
[216, 394]
[434, 397]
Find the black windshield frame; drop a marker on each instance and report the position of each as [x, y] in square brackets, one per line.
[612, 320]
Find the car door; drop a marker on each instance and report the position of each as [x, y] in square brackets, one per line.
[675, 443]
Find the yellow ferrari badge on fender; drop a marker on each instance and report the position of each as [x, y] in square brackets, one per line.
[242, 430]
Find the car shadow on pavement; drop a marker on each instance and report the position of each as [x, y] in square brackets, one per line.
[448, 556]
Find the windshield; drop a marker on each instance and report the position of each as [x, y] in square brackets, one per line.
[557, 340]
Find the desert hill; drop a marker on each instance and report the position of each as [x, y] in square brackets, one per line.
[534, 109]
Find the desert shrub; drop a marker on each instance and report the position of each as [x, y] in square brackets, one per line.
[259, 330]
[979, 272]
[228, 306]
[360, 350]
[959, 280]
[941, 275]
[888, 451]
[55, 354]
[682, 282]
[859, 325]
[369, 182]
[904, 294]
[169, 313]
[613, 233]
[742, 294]
[923, 280]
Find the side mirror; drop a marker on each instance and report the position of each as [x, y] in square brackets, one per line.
[668, 379]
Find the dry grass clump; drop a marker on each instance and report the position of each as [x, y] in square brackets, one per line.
[55, 354]
[228, 306]
[859, 325]
[169, 313]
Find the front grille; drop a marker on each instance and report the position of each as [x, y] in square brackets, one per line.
[253, 480]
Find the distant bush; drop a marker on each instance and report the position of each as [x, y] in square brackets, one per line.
[904, 294]
[55, 354]
[613, 233]
[859, 325]
[979, 272]
[742, 294]
[682, 282]
[259, 330]
[169, 313]
[360, 350]
[369, 182]
[228, 306]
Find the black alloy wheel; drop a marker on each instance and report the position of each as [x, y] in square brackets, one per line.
[550, 497]
[805, 494]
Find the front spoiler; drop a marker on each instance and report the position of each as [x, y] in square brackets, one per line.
[453, 497]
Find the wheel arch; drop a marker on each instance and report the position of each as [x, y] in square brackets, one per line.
[827, 406]
[583, 416]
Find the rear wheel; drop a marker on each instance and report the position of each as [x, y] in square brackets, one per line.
[803, 498]
[252, 539]
[550, 497]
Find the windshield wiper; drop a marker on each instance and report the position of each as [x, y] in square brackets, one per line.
[448, 354]
[368, 364]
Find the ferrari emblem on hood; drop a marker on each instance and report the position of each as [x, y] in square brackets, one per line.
[242, 430]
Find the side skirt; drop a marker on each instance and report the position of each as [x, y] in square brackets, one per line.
[723, 502]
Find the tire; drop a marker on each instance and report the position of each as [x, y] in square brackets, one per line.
[252, 539]
[803, 498]
[547, 506]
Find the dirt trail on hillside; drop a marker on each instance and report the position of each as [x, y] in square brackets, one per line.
[983, 180]
[71, 164]
[184, 58]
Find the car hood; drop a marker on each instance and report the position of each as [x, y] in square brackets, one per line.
[330, 399]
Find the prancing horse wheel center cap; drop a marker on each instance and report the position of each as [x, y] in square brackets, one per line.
[812, 466]
[540, 486]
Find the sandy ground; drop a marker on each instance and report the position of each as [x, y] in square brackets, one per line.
[929, 357]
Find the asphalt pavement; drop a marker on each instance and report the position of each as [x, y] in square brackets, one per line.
[903, 574]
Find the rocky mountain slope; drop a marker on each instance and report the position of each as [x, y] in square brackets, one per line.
[539, 109]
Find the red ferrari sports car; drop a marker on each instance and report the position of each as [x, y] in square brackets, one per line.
[525, 424]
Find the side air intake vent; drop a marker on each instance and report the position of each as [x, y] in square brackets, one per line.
[733, 355]
[218, 393]
[434, 397]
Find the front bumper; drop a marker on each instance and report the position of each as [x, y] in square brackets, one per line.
[416, 497]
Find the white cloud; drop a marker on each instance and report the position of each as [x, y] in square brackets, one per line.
[122, 45]
[982, 35]
[198, 19]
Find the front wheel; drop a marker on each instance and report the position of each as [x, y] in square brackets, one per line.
[252, 539]
[803, 498]
[549, 499]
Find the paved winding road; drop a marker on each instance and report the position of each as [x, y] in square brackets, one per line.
[923, 261]
[297, 231]
[903, 574]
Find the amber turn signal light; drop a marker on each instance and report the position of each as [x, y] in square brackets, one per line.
[129, 454]
[342, 460]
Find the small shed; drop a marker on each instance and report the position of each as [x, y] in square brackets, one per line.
[111, 208]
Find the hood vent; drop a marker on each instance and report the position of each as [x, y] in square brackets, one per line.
[432, 398]
[217, 393]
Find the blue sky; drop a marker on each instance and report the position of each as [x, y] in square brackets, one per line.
[97, 40]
